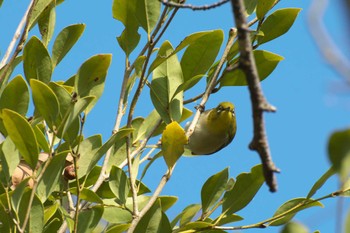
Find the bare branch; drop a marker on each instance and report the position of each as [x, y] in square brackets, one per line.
[259, 103]
[192, 7]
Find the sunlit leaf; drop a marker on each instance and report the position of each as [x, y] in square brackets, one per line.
[263, 7]
[320, 182]
[9, 157]
[47, 23]
[87, 195]
[173, 142]
[119, 184]
[294, 227]
[89, 219]
[117, 215]
[88, 149]
[147, 13]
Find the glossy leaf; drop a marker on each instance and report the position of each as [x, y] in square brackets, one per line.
[119, 184]
[89, 219]
[22, 134]
[293, 207]
[9, 157]
[320, 182]
[339, 152]
[51, 176]
[278, 23]
[90, 79]
[15, 96]
[36, 61]
[173, 142]
[166, 78]
[88, 149]
[65, 41]
[265, 61]
[263, 7]
[47, 23]
[154, 221]
[200, 55]
[45, 101]
[243, 191]
[116, 215]
[294, 227]
[213, 189]
[147, 13]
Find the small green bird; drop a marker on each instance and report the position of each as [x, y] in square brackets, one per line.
[215, 129]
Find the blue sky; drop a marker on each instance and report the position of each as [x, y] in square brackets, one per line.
[312, 101]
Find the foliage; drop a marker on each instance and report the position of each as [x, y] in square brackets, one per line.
[69, 188]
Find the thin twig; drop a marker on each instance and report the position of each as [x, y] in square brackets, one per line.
[192, 7]
[259, 103]
[21, 42]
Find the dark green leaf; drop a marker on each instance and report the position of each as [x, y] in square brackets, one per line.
[65, 41]
[266, 62]
[154, 221]
[17, 194]
[90, 79]
[51, 176]
[89, 219]
[22, 134]
[45, 101]
[119, 184]
[320, 182]
[290, 208]
[36, 61]
[128, 40]
[15, 96]
[147, 13]
[200, 55]
[213, 189]
[243, 191]
[339, 152]
[278, 23]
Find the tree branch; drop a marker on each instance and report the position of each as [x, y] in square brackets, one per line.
[259, 103]
[192, 7]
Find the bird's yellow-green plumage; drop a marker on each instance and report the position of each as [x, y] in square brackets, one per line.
[215, 129]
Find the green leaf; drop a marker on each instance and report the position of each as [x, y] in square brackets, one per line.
[65, 41]
[116, 215]
[51, 176]
[147, 13]
[189, 83]
[294, 227]
[122, 133]
[265, 61]
[45, 101]
[87, 195]
[278, 23]
[128, 40]
[243, 191]
[41, 139]
[347, 222]
[173, 142]
[188, 213]
[290, 208]
[88, 149]
[9, 157]
[213, 188]
[36, 61]
[36, 219]
[15, 96]
[320, 182]
[125, 11]
[263, 7]
[22, 134]
[339, 152]
[228, 219]
[200, 54]
[154, 221]
[38, 9]
[46, 23]
[4, 81]
[166, 79]
[119, 184]
[167, 201]
[118, 228]
[50, 211]
[89, 219]
[90, 79]
[250, 6]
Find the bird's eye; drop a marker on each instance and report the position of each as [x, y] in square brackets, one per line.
[220, 108]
